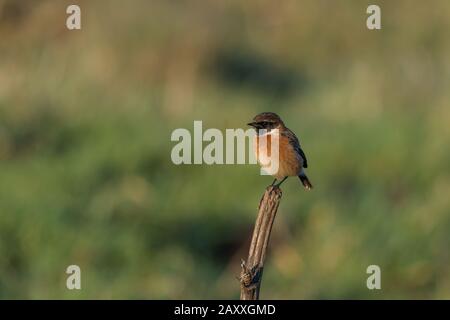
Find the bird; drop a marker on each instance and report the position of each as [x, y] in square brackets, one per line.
[292, 159]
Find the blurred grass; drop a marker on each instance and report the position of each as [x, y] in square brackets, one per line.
[86, 176]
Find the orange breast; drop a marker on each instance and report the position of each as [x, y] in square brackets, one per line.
[290, 163]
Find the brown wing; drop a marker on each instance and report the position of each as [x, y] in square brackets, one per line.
[296, 145]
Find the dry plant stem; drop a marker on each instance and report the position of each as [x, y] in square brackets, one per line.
[251, 272]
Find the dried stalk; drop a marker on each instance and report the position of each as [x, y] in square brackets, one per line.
[251, 271]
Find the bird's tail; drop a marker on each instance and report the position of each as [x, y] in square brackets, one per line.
[305, 181]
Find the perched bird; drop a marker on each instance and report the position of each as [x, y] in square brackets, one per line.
[292, 159]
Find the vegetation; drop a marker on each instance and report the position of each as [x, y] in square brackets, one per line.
[85, 170]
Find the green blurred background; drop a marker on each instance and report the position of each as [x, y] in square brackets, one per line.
[86, 176]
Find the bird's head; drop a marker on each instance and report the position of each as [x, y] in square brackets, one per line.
[267, 121]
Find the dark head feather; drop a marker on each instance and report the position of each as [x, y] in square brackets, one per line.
[266, 120]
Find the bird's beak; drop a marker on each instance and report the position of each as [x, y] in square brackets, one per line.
[252, 124]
